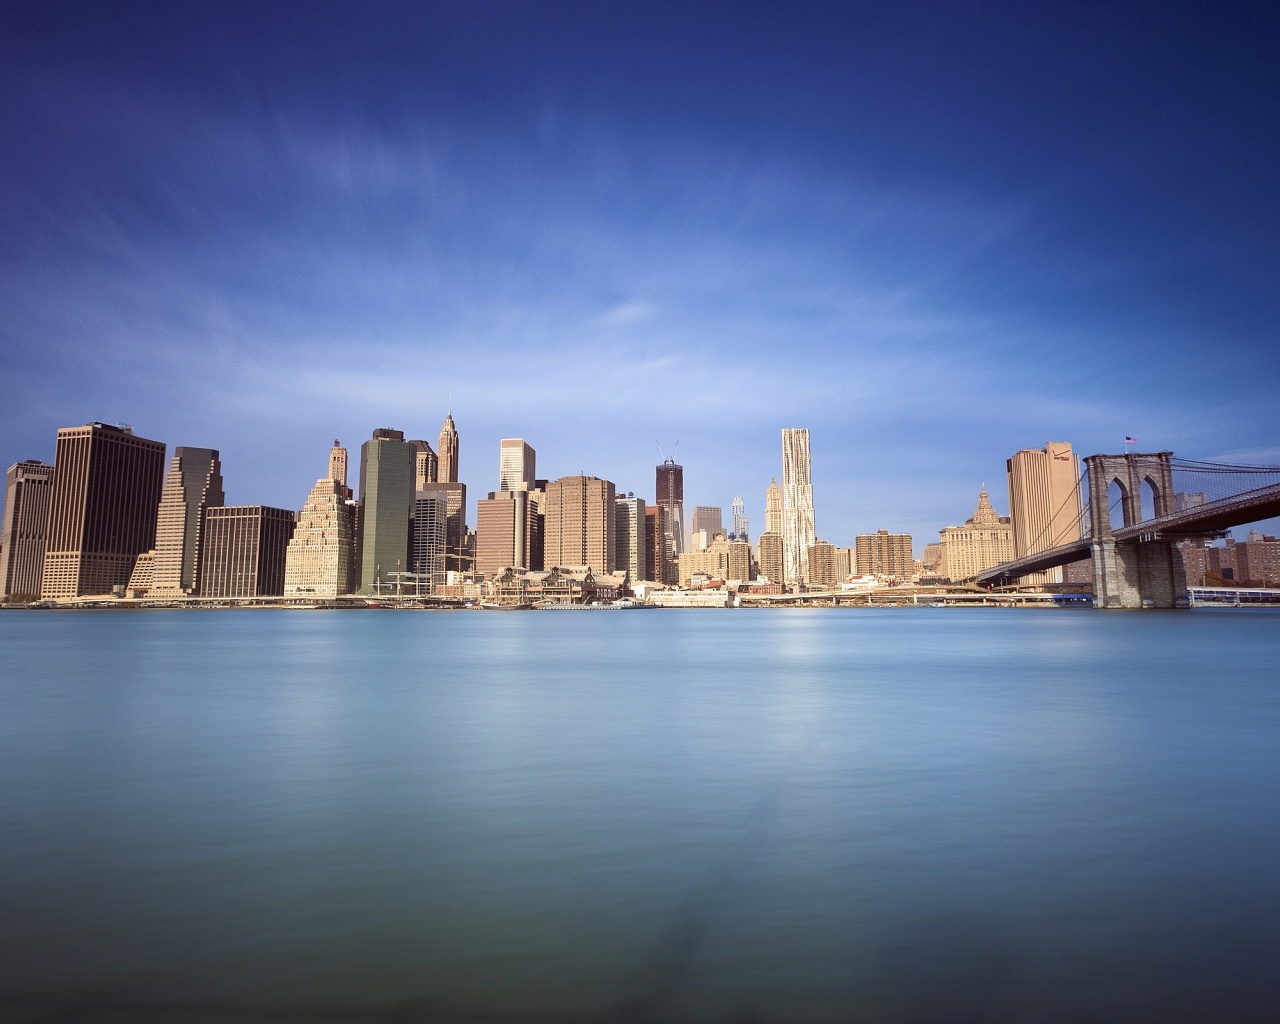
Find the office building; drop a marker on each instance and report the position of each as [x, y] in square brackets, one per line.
[653, 535]
[244, 551]
[709, 520]
[669, 492]
[517, 464]
[387, 469]
[447, 472]
[798, 529]
[457, 557]
[28, 486]
[1044, 502]
[986, 539]
[102, 510]
[773, 510]
[581, 523]
[741, 528]
[884, 554]
[338, 467]
[629, 537]
[822, 565]
[430, 533]
[193, 486]
[507, 525]
[426, 465]
[320, 557]
[772, 559]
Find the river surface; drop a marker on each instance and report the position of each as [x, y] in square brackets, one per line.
[902, 815]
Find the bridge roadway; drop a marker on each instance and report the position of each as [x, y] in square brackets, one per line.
[1210, 518]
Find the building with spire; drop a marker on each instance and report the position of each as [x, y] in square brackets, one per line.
[448, 452]
[773, 509]
[799, 533]
[985, 539]
[193, 486]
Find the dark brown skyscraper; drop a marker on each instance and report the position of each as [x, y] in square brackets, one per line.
[670, 495]
[28, 486]
[102, 514]
[243, 551]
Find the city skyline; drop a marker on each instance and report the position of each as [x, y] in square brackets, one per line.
[221, 240]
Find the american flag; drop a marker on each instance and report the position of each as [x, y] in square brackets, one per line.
[1130, 440]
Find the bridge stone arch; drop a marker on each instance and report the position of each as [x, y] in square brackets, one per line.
[1135, 573]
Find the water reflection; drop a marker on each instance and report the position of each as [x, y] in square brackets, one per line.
[794, 815]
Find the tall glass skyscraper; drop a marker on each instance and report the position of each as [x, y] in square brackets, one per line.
[387, 467]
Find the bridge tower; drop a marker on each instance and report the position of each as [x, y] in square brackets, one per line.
[1145, 571]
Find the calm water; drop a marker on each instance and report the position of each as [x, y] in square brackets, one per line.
[857, 815]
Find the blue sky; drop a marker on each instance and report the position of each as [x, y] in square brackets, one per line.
[932, 235]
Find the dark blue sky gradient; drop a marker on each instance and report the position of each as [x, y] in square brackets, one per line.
[933, 234]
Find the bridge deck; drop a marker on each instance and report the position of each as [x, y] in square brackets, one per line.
[1212, 517]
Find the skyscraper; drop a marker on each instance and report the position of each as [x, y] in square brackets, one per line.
[771, 557]
[773, 509]
[387, 471]
[1044, 501]
[194, 485]
[629, 536]
[338, 466]
[426, 465]
[28, 487]
[741, 529]
[740, 561]
[652, 544]
[244, 551]
[102, 511]
[430, 530]
[448, 452]
[822, 564]
[709, 519]
[670, 498]
[506, 524]
[798, 531]
[516, 464]
[320, 555]
[581, 524]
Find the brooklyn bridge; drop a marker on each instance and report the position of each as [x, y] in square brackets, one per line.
[1129, 512]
